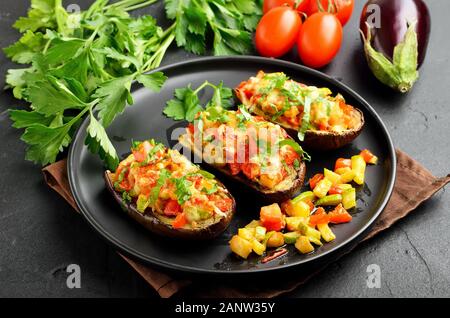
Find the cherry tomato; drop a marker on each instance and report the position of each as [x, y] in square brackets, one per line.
[302, 6]
[344, 8]
[319, 39]
[277, 31]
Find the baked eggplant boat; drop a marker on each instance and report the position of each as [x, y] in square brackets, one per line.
[321, 121]
[169, 195]
[248, 149]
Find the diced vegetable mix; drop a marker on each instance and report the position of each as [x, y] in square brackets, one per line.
[303, 220]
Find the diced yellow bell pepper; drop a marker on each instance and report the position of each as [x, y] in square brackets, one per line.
[275, 240]
[332, 176]
[258, 247]
[247, 233]
[349, 198]
[292, 222]
[260, 233]
[326, 232]
[347, 177]
[240, 247]
[300, 208]
[322, 188]
[253, 224]
[343, 170]
[303, 245]
[310, 232]
[344, 186]
[359, 167]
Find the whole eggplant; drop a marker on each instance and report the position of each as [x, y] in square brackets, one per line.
[394, 14]
[395, 35]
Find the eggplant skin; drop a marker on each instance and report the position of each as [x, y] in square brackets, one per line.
[155, 225]
[267, 196]
[329, 140]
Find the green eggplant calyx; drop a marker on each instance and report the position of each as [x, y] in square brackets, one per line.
[401, 73]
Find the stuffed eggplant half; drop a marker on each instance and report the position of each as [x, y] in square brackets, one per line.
[248, 149]
[321, 121]
[169, 195]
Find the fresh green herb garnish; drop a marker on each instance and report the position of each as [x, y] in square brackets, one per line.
[186, 104]
[126, 197]
[305, 119]
[205, 174]
[82, 63]
[182, 191]
[297, 148]
[154, 194]
[229, 21]
[296, 164]
[212, 190]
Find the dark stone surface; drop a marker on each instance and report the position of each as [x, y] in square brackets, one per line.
[40, 234]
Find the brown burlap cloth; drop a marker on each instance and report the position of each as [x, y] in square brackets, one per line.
[414, 185]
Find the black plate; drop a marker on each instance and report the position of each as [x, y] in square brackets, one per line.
[145, 119]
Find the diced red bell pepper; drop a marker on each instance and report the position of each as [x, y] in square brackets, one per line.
[368, 156]
[179, 221]
[339, 215]
[172, 208]
[335, 190]
[290, 156]
[342, 163]
[319, 217]
[272, 218]
[314, 180]
[224, 204]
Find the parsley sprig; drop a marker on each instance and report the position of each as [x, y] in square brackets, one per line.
[186, 103]
[229, 21]
[82, 63]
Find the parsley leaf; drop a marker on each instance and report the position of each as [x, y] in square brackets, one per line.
[297, 148]
[50, 96]
[23, 118]
[153, 81]
[182, 191]
[186, 104]
[45, 142]
[98, 142]
[113, 96]
[154, 194]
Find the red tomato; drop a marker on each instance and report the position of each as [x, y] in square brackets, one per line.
[179, 221]
[344, 8]
[314, 180]
[290, 156]
[172, 208]
[224, 204]
[342, 163]
[319, 39]
[251, 170]
[272, 218]
[277, 31]
[339, 215]
[235, 168]
[302, 6]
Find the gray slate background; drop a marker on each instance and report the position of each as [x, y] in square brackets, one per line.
[40, 234]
